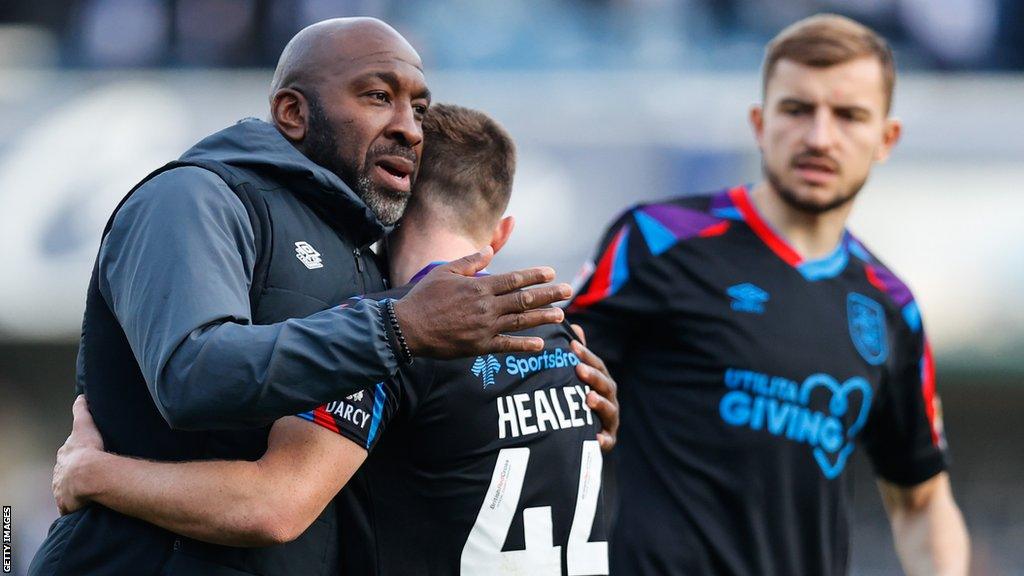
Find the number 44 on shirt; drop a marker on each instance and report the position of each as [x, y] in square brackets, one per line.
[482, 553]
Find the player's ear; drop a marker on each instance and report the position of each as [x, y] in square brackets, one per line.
[290, 112]
[501, 232]
[891, 133]
[757, 122]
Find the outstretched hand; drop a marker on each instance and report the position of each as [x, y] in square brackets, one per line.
[84, 441]
[452, 314]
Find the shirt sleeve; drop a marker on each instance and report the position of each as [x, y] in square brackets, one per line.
[613, 299]
[361, 417]
[176, 269]
[904, 437]
[364, 416]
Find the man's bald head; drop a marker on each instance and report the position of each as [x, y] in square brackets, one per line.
[320, 49]
[350, 95]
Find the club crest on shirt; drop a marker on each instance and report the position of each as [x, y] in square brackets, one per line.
[867, 328]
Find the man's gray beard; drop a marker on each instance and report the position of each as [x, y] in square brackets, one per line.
[387, 207]
[813, 208]
[322, 148]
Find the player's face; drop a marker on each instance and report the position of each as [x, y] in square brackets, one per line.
[365, 125]
[821, 129]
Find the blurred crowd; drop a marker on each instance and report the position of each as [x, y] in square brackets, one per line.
[518, 35]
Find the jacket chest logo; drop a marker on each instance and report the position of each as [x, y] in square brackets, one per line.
[308, 255]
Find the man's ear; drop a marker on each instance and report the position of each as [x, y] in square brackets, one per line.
[757, 123]
[290, 111]
[890, 136]
[501, 232]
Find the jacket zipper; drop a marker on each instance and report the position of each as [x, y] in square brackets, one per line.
[358, 255]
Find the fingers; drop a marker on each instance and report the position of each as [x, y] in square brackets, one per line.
[579, 333]
[54, 488]
[521, 300]
[470, 265]
[605, 409]
[602, 399]
[589, 358]
[599, 382]
[511, 281]
[529, 319]
[62, 507]
[502, 343]
[84, 432]
[608, 413]
[80, 413]
[55, 482]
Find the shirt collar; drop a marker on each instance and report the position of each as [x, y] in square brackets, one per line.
[426, 270]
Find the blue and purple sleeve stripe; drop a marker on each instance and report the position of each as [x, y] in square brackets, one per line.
[665, 225]
[883, 279]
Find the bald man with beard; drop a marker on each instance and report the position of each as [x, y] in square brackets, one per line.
[213, 306]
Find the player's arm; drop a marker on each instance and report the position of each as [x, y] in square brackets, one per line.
[906, 443]
[929, 531]
[236, 503]
[176, 268]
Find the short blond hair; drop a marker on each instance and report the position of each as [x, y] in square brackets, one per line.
[826, 40]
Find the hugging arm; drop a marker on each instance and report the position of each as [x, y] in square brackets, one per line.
[229, 502]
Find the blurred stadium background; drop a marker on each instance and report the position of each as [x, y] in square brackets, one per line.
[611, 101]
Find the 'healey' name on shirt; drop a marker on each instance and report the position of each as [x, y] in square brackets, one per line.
[543, 410]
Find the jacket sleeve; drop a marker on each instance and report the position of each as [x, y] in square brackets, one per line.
[176, 269]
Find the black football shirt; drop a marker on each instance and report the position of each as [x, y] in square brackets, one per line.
[478, 466]
[747, 377]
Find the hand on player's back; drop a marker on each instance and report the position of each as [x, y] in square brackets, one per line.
[84, 440]
[452, 314]
[603, 397]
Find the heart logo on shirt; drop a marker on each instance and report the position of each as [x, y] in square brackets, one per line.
[832, 456]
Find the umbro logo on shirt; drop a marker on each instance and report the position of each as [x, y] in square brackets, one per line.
[308, 255]
[747, 297]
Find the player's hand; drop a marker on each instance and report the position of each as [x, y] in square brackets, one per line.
[84, 441]
[603, 397]
[451, 314]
